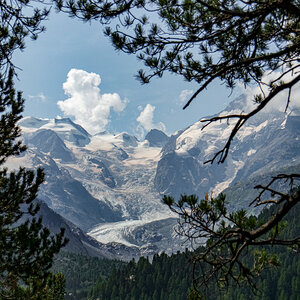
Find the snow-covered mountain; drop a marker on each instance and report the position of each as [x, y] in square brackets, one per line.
[156, 138]
[266, 143]
[111, 185]
[103, 184]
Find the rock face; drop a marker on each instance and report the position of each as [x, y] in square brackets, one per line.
[47, 141]
[71, 132]
[68, 197]
[267, 142]
[127, 140]
[156, 138]
[183, 174]
[97, 181]
[111, 185]
[54, 222]
[104, 174]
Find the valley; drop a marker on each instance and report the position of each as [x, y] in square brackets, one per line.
[111, 185]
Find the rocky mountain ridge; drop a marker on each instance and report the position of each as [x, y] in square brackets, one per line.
[267, 142]
[111, 185]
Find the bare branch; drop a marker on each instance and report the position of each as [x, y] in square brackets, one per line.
[222, 154]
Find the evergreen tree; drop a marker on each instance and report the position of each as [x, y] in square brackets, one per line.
[205, 40]
[273, 284]
[26, 247]
[235, 41]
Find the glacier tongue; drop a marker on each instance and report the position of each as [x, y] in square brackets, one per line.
[119, 231]
[115, 170]
[112, 185]
[134, 193]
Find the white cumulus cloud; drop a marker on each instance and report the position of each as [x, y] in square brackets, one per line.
[86, 104]
[145, 120]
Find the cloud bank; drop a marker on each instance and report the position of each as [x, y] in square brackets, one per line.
[86, 104]
[145, 120]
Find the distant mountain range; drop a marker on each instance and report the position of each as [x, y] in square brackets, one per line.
[267, 142]
[111, 186]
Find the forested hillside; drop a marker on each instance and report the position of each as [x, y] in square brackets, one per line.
[170, 277]
[83, 272]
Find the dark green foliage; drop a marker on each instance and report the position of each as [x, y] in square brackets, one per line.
[170, 277]
[82, 272]
[204, 40]
[232, 41]
[237, 245]
[164, 278]
[52, 288]
[276, 283]
[201, 40]
[26, 247]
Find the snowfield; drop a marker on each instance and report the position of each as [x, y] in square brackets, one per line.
[112, 185]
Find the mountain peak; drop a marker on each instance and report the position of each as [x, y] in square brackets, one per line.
[32, 122]
[70, 122]
[65, 128]
[156, 138]
[128, 140]
[238, 103]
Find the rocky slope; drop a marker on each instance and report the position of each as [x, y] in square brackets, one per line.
[267, 142]
[111, 185]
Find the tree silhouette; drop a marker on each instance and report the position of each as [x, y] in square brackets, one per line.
[26, 247]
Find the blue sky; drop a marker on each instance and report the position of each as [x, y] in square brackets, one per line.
[124, 104]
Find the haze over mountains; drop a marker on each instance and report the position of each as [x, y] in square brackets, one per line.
[111, 186]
